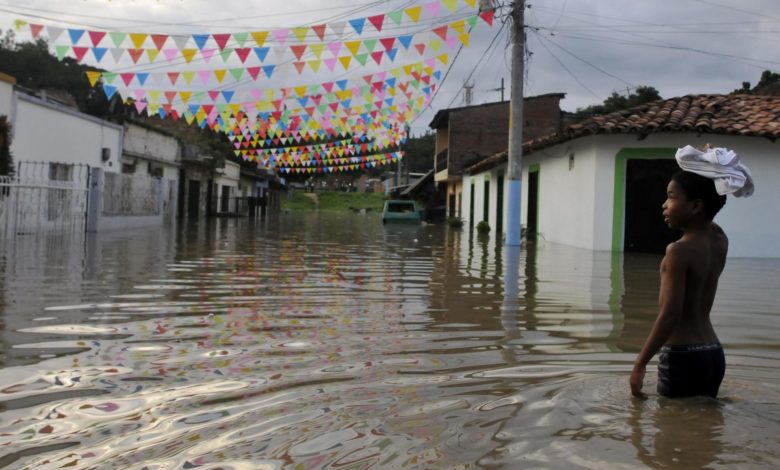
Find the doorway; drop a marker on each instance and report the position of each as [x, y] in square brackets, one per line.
[646, 180]
[532, 222]
[500, 204]
[193, 199]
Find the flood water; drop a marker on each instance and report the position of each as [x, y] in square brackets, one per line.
[332, 341]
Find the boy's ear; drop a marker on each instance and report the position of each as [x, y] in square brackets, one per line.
[698, 206]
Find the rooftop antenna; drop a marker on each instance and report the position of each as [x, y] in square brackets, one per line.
[468, 94]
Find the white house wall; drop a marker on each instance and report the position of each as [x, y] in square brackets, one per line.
[576, 206]
[163, 149]
[6, 99]
[48, 132]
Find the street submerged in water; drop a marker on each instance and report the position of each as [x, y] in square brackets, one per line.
[332, 341]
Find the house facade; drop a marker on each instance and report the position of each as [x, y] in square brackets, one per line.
[467, 135]
[600, 184]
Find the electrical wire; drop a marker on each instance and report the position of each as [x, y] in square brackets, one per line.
[563, 66]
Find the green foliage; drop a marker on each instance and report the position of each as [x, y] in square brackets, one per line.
[617, 102]
[483, 227]
[297, 201]
[455, 222]
[768, 84]
[419, 153]
[6, 159]
[34, 67]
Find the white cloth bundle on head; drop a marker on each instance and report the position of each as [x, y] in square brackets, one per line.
[720, 165]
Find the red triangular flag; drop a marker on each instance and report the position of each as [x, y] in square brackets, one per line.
[94, 36]
[441, 31]
[221, 40]
[298, 50]
[487, 16]
[36, 30]
[299, 66]
[80, 52]
[377, 21]
[242, 53]
[173, 76]
[135, 54]
[319, 30]
[170, 95]
[254, 72]
[159, 40]
[420, 47]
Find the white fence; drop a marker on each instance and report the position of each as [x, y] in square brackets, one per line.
[43, 197]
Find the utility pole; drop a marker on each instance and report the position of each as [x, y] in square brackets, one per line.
[468, 92]
[501, 89]
[515, 151]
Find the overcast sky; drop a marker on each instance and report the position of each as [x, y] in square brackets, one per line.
[584, 48]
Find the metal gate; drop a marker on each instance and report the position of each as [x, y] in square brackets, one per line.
[44, 197]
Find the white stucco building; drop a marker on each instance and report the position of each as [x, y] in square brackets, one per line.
[46, 131]
[150, 151]
[600, 184]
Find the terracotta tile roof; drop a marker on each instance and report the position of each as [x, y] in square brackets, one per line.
[748, 115]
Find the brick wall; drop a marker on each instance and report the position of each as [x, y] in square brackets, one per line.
[480, 131]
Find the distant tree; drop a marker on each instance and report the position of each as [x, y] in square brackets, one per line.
[6, 160]
[768, 84]
[418, 156]
[616, 102]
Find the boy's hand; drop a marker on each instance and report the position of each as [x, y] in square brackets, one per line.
[637, 377]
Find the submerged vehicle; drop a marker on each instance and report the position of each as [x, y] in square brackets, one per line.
[398, 210]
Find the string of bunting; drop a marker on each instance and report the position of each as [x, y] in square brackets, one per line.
[337, 125]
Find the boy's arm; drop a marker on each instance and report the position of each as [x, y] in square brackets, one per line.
[671, 301]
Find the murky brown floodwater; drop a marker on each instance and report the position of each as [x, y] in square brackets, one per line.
[323, 341]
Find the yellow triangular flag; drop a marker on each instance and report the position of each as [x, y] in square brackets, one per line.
[185, 96]
[188, 55]
[93, 77]
[300, 90]
[260, 37]
[464, 39]
[154, 96]
[345, 60]
[444, 58]
[414, 13]
[471, 3]
[188, 76]
[138, 39]
[301, 32]
[451, 5]
[152, 54]
[436, 44]
[315, 65]
[19, 24]
[317, 49]
[220, 75]
[458, 26]
[353, 46]
[235, 108]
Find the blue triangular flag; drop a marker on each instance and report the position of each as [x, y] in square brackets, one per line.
[75, 35]
[142, 76]
[357, 24]
[405, 41]
[342, 84]
[268, 70]
[261, 53]
[200, 40]
[109, 91]
[392, 53]
[99, 52]
[228, 95]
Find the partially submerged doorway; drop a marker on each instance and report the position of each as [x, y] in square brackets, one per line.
[646, 181]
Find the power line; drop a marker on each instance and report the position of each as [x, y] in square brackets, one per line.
[543, 39]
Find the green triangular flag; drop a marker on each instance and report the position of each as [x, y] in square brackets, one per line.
[198, 97]
[237, 73]
[396, 16]
[471, 20]
[241, 38]
[117, 38]
[225, 54]
[362, 58]
[370, 44]
[109, 77]
[61, 51]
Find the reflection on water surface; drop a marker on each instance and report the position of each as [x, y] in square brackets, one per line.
[326, 341]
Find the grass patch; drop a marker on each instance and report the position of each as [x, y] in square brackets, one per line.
[298, 202]
[343, 202]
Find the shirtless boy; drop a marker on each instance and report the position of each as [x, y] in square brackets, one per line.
[692, 360]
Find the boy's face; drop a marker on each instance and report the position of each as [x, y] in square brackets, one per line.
[677, 209]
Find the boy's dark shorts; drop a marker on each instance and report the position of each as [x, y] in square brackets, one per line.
[695, 369]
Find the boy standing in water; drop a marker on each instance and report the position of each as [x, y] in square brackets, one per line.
[692, 361]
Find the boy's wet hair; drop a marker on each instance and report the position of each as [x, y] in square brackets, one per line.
[699, 187]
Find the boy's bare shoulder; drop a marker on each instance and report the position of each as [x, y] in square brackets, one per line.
[678, 253]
